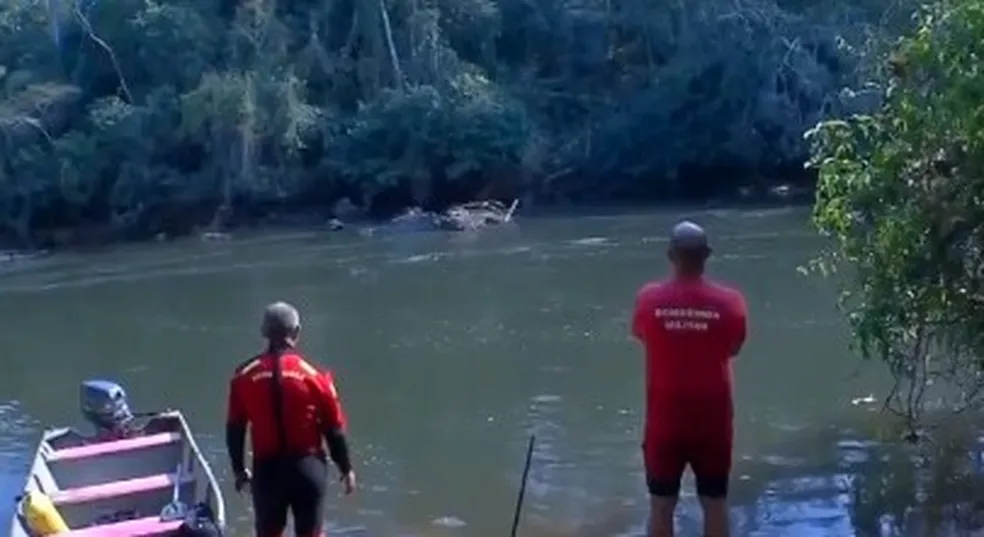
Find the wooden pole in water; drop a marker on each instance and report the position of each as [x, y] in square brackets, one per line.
[522, 486]
[512, 209]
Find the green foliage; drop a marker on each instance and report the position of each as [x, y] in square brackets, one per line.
[141, 116]
[901, 193]
[434, 137]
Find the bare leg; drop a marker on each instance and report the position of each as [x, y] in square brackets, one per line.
[661, 516]
[715, 516]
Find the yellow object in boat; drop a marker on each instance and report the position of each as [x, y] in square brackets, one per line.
[43, 518]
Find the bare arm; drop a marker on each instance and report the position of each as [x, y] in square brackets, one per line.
[740, 323]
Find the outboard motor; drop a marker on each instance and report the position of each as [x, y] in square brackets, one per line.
[104, 405]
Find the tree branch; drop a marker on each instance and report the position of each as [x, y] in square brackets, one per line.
[105, 46]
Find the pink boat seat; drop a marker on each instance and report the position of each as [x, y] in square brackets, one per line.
[114, 446]
[142, 527]
[114, 489]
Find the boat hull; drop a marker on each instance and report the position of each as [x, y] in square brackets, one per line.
[121, 487]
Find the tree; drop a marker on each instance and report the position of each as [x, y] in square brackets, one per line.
[901, 195]
[148, 116]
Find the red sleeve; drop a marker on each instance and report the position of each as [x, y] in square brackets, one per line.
[236, 411]
[326, 391]
[739, 323]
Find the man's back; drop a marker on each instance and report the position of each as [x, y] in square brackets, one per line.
[308, 404]
[690, 329]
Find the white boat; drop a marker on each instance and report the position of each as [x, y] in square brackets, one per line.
[136, 477]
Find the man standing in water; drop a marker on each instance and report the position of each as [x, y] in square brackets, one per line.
[292, 410]
[691, 327]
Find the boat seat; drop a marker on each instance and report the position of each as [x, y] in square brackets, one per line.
[113, 446]
[142, 527]
[115, 489]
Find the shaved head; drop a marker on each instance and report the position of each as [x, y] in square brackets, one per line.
[687, 235]
[689, 248]
[281, 321]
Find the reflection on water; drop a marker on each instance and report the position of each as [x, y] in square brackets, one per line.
[846, 486]
[16, 448]
[849, 486]
[830, 482]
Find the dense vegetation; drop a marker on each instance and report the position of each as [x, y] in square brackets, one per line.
[142, 116]
[902, 193]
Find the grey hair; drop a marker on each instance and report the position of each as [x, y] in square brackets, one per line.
[280, 320]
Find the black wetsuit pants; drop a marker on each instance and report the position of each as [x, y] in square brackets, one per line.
[294, 484]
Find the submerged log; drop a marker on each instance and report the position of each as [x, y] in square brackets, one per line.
[464, 217]
[479, 214]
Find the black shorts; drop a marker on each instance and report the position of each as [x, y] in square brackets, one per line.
[709, 459]
[297, 485]
[710, 487]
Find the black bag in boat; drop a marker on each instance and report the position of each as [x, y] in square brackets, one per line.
[200, 523]
[199, 528]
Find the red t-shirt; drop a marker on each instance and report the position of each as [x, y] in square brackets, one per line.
[691, 329]
[310, 405]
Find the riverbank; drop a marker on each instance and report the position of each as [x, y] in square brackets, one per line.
[346, 216]
[488, 101]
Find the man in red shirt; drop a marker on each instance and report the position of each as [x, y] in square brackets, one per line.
[691, 328]
[291, 409]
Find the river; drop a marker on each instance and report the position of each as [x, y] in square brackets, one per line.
[450, 349]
